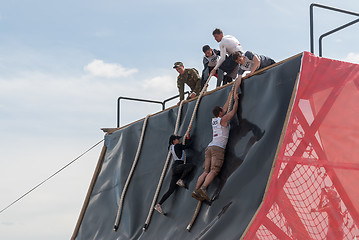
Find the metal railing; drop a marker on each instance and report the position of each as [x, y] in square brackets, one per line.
[163, 103]
[330, 32]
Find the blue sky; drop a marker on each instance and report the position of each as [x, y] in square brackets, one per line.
[63, 64]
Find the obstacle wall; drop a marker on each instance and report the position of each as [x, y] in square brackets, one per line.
[307, 167]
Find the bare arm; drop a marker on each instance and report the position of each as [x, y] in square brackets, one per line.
[237, 83]
[225, 106]
[257, 62]
[180, 86]
[230, 115]
[221, 59]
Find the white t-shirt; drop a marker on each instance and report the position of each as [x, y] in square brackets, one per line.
[229, 45]
[220, 133]
[174, 155]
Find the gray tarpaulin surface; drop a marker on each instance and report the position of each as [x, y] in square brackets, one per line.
[238, 189]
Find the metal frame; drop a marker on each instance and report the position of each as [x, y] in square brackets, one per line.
[330, 32]
[163, 103]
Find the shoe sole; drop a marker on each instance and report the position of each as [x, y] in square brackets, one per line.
[197, 197]
[163, 213]
[203, 195]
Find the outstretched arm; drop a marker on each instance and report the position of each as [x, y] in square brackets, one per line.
[180, 86]
[221, 59]
[257, 62]
[230, 115]
[225, 106]
[237, 83]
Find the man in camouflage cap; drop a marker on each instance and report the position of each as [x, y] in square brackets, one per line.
[187, 76]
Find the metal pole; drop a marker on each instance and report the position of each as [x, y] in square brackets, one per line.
[312, 22]
[142, 100]
[171, 98]
[132, 99]
[311, 29]
[333, 31]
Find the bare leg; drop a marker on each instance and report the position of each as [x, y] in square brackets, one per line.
[211, 175]
[201, 179]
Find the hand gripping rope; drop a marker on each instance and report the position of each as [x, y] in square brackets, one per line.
[169, 153]
[199, 204]
[118, 217]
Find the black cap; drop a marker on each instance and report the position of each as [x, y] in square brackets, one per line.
[173, 137]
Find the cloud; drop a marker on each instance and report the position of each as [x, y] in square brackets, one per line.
[165, 84]
[99, 68]
[352, 57]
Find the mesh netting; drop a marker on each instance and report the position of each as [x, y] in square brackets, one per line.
[309, 190]
[309, 195]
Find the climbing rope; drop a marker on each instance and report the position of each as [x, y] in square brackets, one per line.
[164, 170]
[196, 107]
[118, 217]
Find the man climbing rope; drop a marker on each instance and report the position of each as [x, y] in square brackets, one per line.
[214, 156]
[180, 170]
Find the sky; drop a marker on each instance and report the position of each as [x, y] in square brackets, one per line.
[63, 64]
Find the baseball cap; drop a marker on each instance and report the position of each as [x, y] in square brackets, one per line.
[173, 137]
[178, 64]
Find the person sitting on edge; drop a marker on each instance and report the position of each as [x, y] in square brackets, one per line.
[251, 62]
[214, 155]
[180, 170]
[187, 76]
[227, 45]
[210, 60]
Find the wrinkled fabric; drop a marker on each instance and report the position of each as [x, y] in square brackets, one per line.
[237, 190]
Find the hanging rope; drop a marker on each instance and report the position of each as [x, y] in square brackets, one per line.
[199, 204]
[196, 107]
[118, 217]
[164, 170]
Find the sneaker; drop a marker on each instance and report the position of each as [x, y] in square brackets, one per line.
[158, 208]
[180, 183]
[203, 193]
[197, 196]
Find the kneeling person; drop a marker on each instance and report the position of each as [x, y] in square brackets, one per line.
[251, 62]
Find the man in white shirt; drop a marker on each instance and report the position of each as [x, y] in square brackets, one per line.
[214, 156]
[227, 45]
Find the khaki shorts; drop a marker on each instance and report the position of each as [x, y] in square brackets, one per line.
[214, 158]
